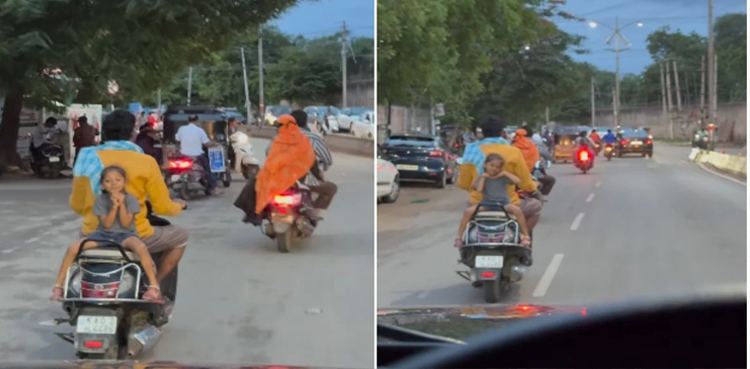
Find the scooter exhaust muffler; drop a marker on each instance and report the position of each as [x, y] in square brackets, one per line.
[143, 339]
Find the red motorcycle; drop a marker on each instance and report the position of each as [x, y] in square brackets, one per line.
[584, 159]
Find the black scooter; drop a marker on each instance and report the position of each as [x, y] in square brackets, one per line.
[47, 160]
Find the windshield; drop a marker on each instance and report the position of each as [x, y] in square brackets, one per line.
[632, 221]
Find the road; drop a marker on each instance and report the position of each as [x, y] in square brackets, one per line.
[240, 301]
[631, 228]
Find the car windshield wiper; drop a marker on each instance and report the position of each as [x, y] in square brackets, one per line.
[399, 334]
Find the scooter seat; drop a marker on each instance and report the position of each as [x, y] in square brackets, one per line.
[109, 253]
[494, 215]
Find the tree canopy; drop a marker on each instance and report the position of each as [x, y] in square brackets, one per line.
[138, 43]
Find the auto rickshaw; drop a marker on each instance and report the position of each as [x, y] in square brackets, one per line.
[214, 122]
[564, 148]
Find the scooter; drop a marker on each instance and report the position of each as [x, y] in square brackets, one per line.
[47, 160]
[244, 154]
[103, 300]
[186, 176]
[609, 151]
[288, 217]
[584, 160]
[492, 252]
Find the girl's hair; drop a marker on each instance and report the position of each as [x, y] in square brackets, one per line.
[493, 157]
[111, 168]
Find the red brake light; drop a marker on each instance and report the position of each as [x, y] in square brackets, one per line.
[648, 142]
[436, 154]
[284, 200]
[455, 145]
[380, 166]
[624, 141]
[583, 155]
[93, 344]
[488, 274]
[180, 164]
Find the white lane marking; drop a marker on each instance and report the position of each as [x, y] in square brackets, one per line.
[422, 295]
[577, 222]
[591, 197]
[598, 183]
[549, 274]
[721, 175]
[8, 251]
[33, 239]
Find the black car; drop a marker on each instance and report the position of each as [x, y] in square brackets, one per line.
[635, 142]
[421, 158]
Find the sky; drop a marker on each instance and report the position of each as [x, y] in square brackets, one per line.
[324, 17]
[685, 15]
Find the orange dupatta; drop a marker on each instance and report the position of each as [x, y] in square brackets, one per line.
[528, 148]
[290, 157]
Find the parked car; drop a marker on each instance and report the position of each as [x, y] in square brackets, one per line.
[635, 142]
[320, 114]
[421, 158]
[388, 179]
[364, 125]
[273, 112]
[347, 117]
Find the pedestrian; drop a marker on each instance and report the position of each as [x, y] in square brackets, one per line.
[84, 135]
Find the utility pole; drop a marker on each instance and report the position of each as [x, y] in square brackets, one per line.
[158, 103]
[669, 101]
[677, 87]
[663, 91]
[261, 71]
[343, 65]
[715, 102]
[190, 85]
[593, 103]
[711, 75]
[546, 114]
[703, 88]
[247, 91]
[614, 104]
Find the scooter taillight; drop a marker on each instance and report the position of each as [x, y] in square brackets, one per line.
[583, 155]
[181, 164]
[287, 200]
[99, 290]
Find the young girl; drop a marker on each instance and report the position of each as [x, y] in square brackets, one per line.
[493, 184]
[116, 210]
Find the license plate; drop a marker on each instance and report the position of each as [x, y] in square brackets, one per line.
[175, 178]
[636, 146]
[407, 167]
[636, 143]
[483, 261]
[96, 324]
[54, 159]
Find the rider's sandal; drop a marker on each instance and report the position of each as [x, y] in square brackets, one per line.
[57, 293]
[150, 295]
[526, 241]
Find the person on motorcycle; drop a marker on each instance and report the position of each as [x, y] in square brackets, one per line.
[583, 142]
[534, 154]
[192, 139]
[43, 136]
[493, 128]
[594, 136]
[609, 138]
[289, 159]
[147, 140]
[145, 180]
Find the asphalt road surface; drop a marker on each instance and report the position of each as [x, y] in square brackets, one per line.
[239, 300]
[631, 228]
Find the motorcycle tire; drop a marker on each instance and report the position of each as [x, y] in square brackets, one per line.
[492, 291]
[441, 183]
[227, 181]
[609, 157]
[184, 192]
[284, 242]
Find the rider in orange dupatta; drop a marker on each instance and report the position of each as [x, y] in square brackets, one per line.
[290, 158]
[528, 148]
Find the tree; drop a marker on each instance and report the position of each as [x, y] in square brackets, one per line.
[140, 44]
[730, 41]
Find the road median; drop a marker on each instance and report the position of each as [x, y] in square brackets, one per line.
[732, 164]
[336, 143]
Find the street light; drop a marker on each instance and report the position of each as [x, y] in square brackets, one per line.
[617, 35]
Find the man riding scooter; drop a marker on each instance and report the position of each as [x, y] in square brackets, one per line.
[609, 143]
[192, 139]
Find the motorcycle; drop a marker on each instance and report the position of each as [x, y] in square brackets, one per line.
[609, 150]
[583, 160]
[288, 218]
[493, 252]
[103, 301]
[186, 176]
[47, 160]
[244, 154]
[700, 140]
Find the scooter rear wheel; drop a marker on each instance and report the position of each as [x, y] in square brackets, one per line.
[284, 242]
[492, 291]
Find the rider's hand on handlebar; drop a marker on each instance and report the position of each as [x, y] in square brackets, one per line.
[182, 203]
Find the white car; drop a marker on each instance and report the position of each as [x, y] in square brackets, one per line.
[349, 115]
[388, 181]
[273, 112]
[364, 125]
[318, 112]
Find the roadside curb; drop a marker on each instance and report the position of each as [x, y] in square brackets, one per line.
[336, 143]
[731, 164]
